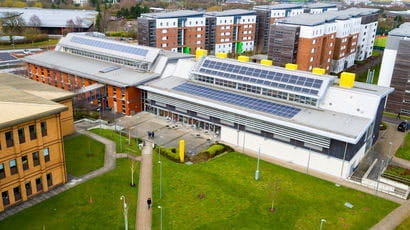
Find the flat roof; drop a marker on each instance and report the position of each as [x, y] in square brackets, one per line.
[18, 106]
[332, 124]
[33, 87]
[54, 17]
[320, 5]
[90, 68]
[174, 14]
[230, 12]
[318, 19]
[277, 7]
[402, 31]
[108, 47]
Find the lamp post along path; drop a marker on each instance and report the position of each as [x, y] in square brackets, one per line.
[125, 212]
[257, 164]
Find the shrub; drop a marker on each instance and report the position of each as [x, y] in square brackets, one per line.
[211, 152]
[383, 125]
[171, 153]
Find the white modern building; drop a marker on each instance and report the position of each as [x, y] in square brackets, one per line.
[298, 117]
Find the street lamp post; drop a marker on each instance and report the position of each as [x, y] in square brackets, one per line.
[391, 144]
[321, 223]
[160, 208]
[125, 211]
[120, 131]
[378, 178]
[160, 179]
[257, 164]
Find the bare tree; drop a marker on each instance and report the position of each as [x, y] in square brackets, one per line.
[273, 188]
[70, 24]
[12, 24]
[35, 21]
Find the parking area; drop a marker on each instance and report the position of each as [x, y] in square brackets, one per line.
[167, 133]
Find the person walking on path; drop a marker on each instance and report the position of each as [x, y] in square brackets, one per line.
[149, 203]
[398, 115]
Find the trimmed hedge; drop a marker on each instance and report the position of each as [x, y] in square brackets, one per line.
[211, 152]
[171, 153]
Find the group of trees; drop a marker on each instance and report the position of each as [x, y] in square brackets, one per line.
[13, 24]
[132, 12]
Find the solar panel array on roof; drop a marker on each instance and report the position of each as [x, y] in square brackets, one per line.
[110, 46]
[236, 99]
[265, 77]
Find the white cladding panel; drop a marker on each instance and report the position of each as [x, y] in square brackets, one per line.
[330, 27]
[248, 19]
[289, 153]
[192, 22]
[312, 31]
[294, 12]
[223, 48]
[316, 11]
[220, 21]
[247, 46]
[345, 101]
[166, 23]
[278, 13]
[386, 70]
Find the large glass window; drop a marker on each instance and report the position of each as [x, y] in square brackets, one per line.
[17, 193]
[46, 155]
[28, 188]
[5, 198]
[39, 184]
[49, 180]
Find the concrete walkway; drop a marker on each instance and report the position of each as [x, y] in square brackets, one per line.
[144, 214]
[394, 218]
[109, 164]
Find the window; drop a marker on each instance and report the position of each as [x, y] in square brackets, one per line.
[22, 137]
[9, 139]
[314, 41]
[311, 59]
[33, 133]
[2, 172]
[313, 50]
[164, 38]
[17, 193]
[13, 167]
[43, 128]
[5, 198]
[28, 188]
[36, 159]
[164, 31]
[24, 160]
[164, 45]
[49, 180]
[39, 184]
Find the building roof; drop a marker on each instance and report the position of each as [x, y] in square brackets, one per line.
[33, 87]
[318, 5]
[129, 51]
[318, 19]
[18, 106]
[402, 31]
[174, 14]
[233, 12]
[277, 7]
[90, 68]
[54, 17]
[238, 2]
[334, 117]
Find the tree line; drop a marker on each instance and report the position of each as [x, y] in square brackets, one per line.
[132, 12]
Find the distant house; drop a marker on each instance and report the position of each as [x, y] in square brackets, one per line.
[54, 21]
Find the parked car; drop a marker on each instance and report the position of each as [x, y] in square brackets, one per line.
[403, 126]
[26, 52]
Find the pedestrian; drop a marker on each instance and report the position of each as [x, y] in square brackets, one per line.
[149, 203]
[398, 115]
[153, 134]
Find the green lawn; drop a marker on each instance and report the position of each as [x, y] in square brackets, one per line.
[405, 225]
[380, 41]
[395, 115]
[72, 209]
[109, 134]
[234, 200]
[404, 150]
[43, 44]
[363, 77]
[83, 155]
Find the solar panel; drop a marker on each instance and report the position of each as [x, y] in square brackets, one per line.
[110, 46]
[269, 78]
[240, 100]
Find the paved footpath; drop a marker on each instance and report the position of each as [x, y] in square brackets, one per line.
[144, 214]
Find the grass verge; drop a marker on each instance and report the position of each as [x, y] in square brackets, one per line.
[95, 204]
[83, 155]
[404, 150]
[121, 141]
[223, 194]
